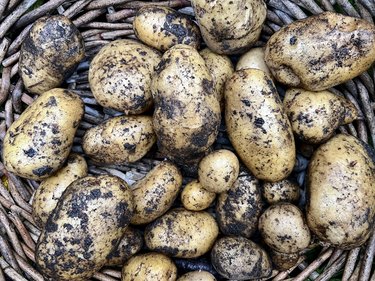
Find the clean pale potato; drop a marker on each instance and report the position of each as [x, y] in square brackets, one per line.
[254, 58]
[281, 191]
[195, 198]
[197, 276]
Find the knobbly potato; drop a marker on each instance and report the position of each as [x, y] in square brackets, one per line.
[84, 228]
[163, 28]
[341, 192]
[239, 208]
[254, 58]
[257, 126]
[50, 53]
[321, 51]
[187, 114]
[284, 261]
[37, 144]
[50, 190]
[155, 193]
[315, 116]
[119, 139]
[240, 259]
[120, 76]
[197, 276]
[197, 230]
[149, 267]
[230, 27]
[281, 191]
[195, 198]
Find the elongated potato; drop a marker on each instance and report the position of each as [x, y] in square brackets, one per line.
[321, 51]
[37, 144]
[257, 126]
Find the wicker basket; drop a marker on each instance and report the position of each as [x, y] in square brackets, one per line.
[101, 21]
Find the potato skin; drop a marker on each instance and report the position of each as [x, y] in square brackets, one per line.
[254, 58]
[50, 53]
[321, 51]
[281, 191]
[257, 126]
[283, 261]
[50, 190]
[341, 192]
[155, 193]
[37, 144]
[120, 76]
[198, 230]
[119, 139]
[197, 276]
[163, 28]
[89, 221]
[195, 198]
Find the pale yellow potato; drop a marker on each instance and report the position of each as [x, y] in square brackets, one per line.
[120, 76]
[37, 144]
[254, 58]
[50, 190]
[315, 116]
[155, 193]
[84, 228]
[195, 198]
[257, 125]
[163, 27]
[230, 27]
[321, 51]
[341, 191]
[197, 276]
[281, 191]
[50, 53]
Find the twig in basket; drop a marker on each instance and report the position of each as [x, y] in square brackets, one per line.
[17, 95]
[369, 84]
[3, 5]
[366, 106]
[27, 99]
[89, 16]
[76, 8]
[284, 274]
[285, 18]
[295, 10]
[22, 230]
[169, 3]
[313, 275]
[102, 277]
[310, 5]
[11, 59]
[333, 269]
[28, 269]
[108, 25]
[347, 7]
[5, 84]
[7, 253]
[121, 14]
[97, 4]
[352, 130]
[112, 272]
[14, 70]
[10, 272]
[336, 254]
[91, 32]
[272, 16]
[12, 5]
[29, 253]
[355, 275]
[369, 4]
[2, 277]
[4, 48]
[19, 192]
[16, 44]
[365, 14]
[365, 271]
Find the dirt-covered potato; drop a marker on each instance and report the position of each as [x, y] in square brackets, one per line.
[239, 208]
[155, 193]
[130, 244]
[37, 144]
[197, 276]
[240, 259]
[149, 267]
[163, 28]
[281, 191]
[284, 261]
[84, 228]
[195, 198]
[321, 51]
[182, 233]
[341, 192]
[254, 58]
[257, 126]
[50, 53]
[120, 76]
[315, 116]
[230, 27]
[187, 114]
[283, 228]
[50, 190]
[119, 139]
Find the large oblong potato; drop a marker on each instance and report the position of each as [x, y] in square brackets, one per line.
[37, 144]
[257, 126]
[321, 51]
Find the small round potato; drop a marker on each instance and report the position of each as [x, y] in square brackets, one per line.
[50, 53]
[195, 198]
[254, 58]
[281, 191]
[218, 171]
[149, 267]
[284, 261]
[163, 27]
[119, 139]
[197, 276]
[284, 229]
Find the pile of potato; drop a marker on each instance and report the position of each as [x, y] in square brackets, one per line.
[241, 209]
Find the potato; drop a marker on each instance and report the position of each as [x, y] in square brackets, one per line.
[195, 198]
[155, 193]
[119, 139]
[149, 267]
[37, 144]
[163, 28]
[187, 115]
[315, 116]
[120, 76]
[197, 230]
[321, 51]
[284, 261]
[341, 192]
[84, 228]
[239, 258]
[238, 209]
[50, 53]
[218, 170]
[197, 276]
[230, 27]
[254, 58]
[257, 126]
[281, 191]
[50, 190]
